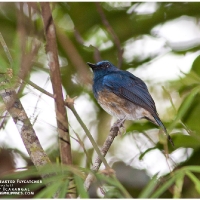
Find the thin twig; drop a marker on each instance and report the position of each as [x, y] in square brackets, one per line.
[40, 89]
[111, 31]
[6, 50]
[88, 159]
[4, 119]
[79, 39]
[69, 103]
[170, 98]
[97, 55]
[35, 109]
[74, 56]
[26, 57]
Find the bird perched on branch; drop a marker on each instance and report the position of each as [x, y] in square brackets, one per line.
[123, 95]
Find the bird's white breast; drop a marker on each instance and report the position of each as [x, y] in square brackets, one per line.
[121, 108]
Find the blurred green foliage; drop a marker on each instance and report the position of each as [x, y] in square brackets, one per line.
[82, 36]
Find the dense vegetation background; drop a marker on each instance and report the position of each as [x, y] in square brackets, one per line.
[129, 35]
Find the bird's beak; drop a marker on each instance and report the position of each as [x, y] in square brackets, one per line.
[91, 65]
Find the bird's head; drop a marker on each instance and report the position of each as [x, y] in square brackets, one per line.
[102, 68]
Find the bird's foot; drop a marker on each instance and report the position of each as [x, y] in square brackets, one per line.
[117, 125]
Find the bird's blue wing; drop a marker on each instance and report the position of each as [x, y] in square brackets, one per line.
[126, 85]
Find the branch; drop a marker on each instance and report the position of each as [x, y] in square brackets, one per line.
[28, 135]
[52, 53]
[61, 115]
[106, 146]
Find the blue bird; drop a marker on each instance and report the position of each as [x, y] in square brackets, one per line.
[123, 95]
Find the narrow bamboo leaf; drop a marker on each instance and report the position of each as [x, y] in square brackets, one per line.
[23, 174]
[195, 180]
[192, 168]
[185, 105]
[170, 98]
[186, 141]
[50, 191]
[64, 189]
[114, 182]
[145, 152]
[121, 187]
[149, 188]
[35, 186]
[178, 186]
[163, 188]
[80, 187]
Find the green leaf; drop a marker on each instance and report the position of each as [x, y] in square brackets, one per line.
[192, 168]
[178, 186]
[164, 187]
[145, 152]
[51, 190]
[185, 105]
[186, 141]
[195, 180]
[113, 181]
[196, 64]
[147, 191]
[80, 187]
[64, 189]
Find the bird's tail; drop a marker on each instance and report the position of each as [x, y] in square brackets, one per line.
[159, 122]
